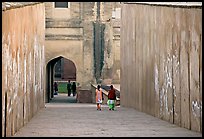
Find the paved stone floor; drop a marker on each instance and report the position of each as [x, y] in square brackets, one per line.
[64, 118]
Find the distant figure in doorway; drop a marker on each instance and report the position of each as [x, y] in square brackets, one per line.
[69, 88]
[74, 88]
[55, 88]
[111, 98]
[98, 97]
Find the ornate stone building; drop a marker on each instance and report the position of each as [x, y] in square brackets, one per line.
[87, 34]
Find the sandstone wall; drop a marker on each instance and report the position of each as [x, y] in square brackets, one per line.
[161, 61]
[70, 34]
[23, 64]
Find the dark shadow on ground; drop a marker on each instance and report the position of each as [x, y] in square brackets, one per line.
[63, 98]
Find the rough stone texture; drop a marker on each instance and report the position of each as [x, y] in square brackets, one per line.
[71, 36]
[63, 118]
[84, 96]
[23, 70]
[160, 58]
[69, 70]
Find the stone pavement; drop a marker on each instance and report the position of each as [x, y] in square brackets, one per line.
[64, 118]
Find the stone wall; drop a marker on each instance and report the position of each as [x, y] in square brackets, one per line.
[23, 64]
[161, 62]
[72, 36]
[84, 96]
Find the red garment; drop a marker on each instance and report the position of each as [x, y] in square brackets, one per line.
[111, 94]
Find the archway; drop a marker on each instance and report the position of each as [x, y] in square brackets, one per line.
[59, 70]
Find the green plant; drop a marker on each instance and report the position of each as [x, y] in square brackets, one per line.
[62, 87]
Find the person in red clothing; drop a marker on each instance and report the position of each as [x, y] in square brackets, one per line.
[111, 98]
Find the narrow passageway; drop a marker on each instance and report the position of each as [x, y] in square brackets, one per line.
[157, 59]
[63, 118]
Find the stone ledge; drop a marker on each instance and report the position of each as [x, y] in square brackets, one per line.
[53, 23]
[63, 37]
[172, 4]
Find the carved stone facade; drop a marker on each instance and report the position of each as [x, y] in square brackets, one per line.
[88, 34]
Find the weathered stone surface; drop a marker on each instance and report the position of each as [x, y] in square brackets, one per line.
[30, 52]
[13, 5]
[56, 23]
[160, 58]
[63, 118]
[83, 16]
[23, 70]
[183, 4]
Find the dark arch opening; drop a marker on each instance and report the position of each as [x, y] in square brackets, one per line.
[59, 70]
